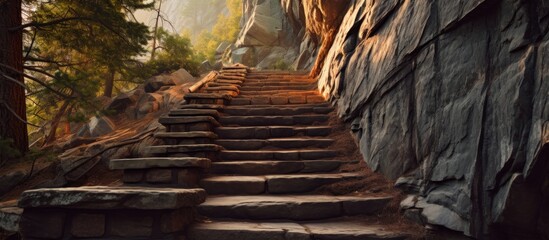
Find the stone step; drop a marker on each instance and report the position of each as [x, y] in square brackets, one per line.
[271, 184]
[275, 84]
[229, 81]
[278, 93]
[284, 143]
[159, 162]
[233, 88]
[183, 149]
[317, 154]
[216, 84]
[277, 100]
[179, 138]
[197, 134]
[188, 123]
[273, 120]
[290, 207]
[279, 111]
[267, 132]
[194, 112]
[209, 98]
[270, 88]
[201, 106]
[281, 80]
[330, 229]
[255, 168]
[189, 96]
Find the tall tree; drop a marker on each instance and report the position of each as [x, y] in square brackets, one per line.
[12, 91]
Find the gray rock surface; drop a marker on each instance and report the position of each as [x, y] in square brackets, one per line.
[159, 162]
[10, 180]
[181, 76]
[155, 83]
[100, 126]
[99, 197]
[9, 219]
[452, 96]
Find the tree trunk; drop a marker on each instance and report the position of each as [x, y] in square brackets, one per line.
[55, 123]
[155, 31]
[109, 83]
[13, 115]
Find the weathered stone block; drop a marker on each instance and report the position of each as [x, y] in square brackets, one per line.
[297, 99]
[279, 100]
[175, 221]
[159, 176]
[88, 225]
[131, 225]
[261, 100]
[38, 223]
[133, 175]
[189, 177]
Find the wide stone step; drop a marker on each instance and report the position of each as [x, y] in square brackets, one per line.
[159, 162]
[330, 229]
[188, 120]
[267, 132]
[279, 93]
[270, 88]
[233, 155]
[298, 207]
[273, 120]
[279, 111]
[201, 106]
[284, 143]
[181, 138]
[184, 135]
[281, 80]
[277, 100]
[271, 184]
[190, 96]
[168, 149]
[254, 168]
[194, 112]
[275, 83]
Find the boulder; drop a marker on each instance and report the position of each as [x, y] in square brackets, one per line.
[264, 24]
[182, 76]
[10, 180]
[205, 66]
[148, 103]
[120, 103]
[222, 47]
[9, 219]
[99, 126]
[217, 66]
[244, 55]
[155, 83]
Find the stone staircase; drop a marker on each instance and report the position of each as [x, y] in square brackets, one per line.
[260, 143]
[273, 145]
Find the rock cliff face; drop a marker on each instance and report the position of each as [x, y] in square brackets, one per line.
[451, 99]
[274, 36]
[447, 97]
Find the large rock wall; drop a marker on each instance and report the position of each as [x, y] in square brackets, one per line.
[274, 35]
[450, 98]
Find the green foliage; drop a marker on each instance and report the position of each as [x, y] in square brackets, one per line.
[78, 45]
[226, 29]
[280, 64]
[175, 52]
